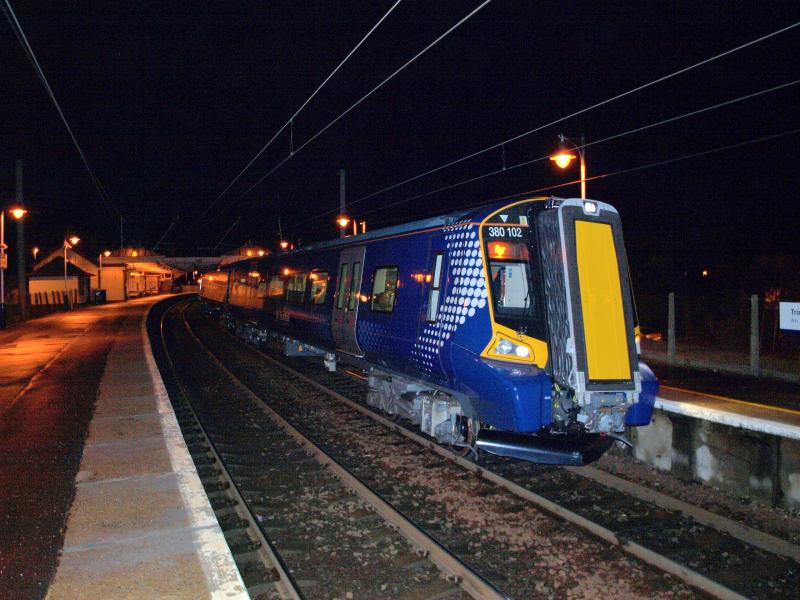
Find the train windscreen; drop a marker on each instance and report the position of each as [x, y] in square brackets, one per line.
[512, 278]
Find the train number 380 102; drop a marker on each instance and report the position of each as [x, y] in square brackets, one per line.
[512, 232]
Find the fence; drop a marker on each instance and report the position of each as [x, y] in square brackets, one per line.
[733, 332]
[42, 303]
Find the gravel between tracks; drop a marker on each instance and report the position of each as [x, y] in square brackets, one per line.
[525, 552]
[334, 546]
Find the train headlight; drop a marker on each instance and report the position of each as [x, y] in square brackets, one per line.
[507, 349]
[590, 208]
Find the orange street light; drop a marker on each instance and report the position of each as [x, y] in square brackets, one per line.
[35, 250]
[564, 157]
[284, 244]
[18, 212]
[261, 253]
[68, 243]
[342, 221]
[107, 253]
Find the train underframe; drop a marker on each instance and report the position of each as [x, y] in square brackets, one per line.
[444, 415]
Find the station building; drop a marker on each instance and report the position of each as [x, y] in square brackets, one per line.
[134, 271]
[129, 272]
[48, 285]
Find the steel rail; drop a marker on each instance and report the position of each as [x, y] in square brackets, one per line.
[663, 563]
[455, 569]
[286, 587]
[744, 533]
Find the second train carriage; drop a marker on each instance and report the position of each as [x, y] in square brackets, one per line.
[510, 327]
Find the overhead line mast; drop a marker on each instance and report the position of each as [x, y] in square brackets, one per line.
[290, 122]
[358, 102]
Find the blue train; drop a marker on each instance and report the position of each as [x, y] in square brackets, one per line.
[509, 327]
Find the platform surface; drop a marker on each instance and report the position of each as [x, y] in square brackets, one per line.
[752, 416]
[86, 426]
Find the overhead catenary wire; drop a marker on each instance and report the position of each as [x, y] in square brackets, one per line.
[290, 122]
[660, 163]
[23, 40]
[367, 95]
[356, 104]
[506, 168]
[579, 112]
[624, 171]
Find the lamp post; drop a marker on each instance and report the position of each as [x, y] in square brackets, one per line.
[105, 253]
[17, 212]
[3, 265]
[72, 241]
[22, 282]
[564, 156]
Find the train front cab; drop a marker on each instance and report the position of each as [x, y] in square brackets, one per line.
[562, 362]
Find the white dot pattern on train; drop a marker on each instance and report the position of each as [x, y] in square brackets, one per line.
[466, 295]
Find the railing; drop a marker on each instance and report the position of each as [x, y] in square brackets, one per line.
[734, 333]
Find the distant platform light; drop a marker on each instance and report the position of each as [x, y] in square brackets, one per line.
[342, 221]
[261, 253]
[705, 272]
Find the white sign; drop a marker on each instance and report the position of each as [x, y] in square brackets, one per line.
[790, 316]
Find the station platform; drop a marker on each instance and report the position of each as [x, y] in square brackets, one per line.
[99, 495]
[753, 416]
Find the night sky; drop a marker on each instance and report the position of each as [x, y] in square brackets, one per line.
[171, 100]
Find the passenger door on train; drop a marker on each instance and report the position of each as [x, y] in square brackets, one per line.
[346, 300]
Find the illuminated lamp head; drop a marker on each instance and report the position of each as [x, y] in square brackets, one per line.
[563, 159]
[249, 253]
[18, 212]
[342, 221]
[284, 244]
[74, 240]
[261, 253]
[107, 253]
[286, 271]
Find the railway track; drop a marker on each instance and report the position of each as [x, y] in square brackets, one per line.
[704, 550]
[318, 531]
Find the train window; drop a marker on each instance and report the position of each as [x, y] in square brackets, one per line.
[276, 287]
[510, 288]
[319, 287]
[342, 282]
[354, 286]
[384, 289]
[436, 283]
[296, 288]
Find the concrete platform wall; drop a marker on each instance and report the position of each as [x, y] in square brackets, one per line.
[759, 466]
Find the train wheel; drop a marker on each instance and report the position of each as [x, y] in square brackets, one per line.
[471, 428]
